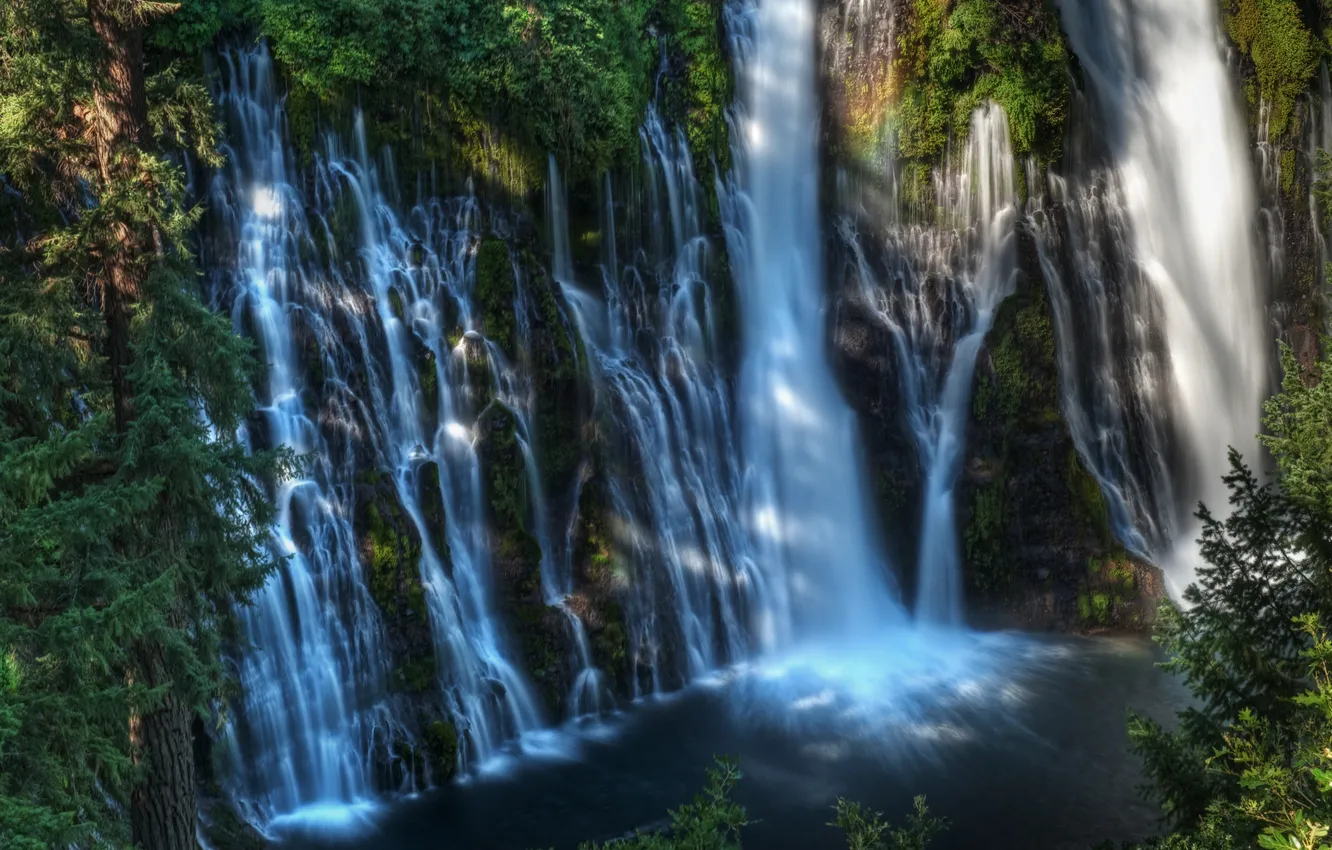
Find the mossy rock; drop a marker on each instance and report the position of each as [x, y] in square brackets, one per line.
[1022, 382]
[1118, 592]
[954, 55]
[225, 829]
[1087, 502]
[392, 557]
[985, 535]
[390, 551]
[516, 554]
[440, 740]
[503, 470]
[427, 379]
[496, 290]
[430, 496]
[1284, 51]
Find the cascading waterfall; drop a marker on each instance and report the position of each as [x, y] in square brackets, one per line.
[313, 674]
[1167, 111]
[590, 693]
[1111, 352]
[937, 297]
[410, 271]
[675, 481]
[345, 300]
[805, 499]
[740, 513]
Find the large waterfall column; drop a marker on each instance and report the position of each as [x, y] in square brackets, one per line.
[807, 500]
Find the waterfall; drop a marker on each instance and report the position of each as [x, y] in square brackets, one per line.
[674, 480]
[937, 296]
[805, 499]
[411, 271]
[1177, 179]
[590, 693]
[313, 676]
[350, 303]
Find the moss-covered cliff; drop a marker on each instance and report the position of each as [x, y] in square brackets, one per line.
[1036, 533]
[1279, 46]
[1033, 532]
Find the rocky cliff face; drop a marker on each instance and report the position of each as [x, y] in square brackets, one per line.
[1033, 524]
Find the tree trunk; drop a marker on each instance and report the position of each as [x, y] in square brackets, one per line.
[162, 805]
[120, 128]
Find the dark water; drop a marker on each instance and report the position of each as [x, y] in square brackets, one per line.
[1020, 741]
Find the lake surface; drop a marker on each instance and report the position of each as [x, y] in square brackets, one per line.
[1019, 740]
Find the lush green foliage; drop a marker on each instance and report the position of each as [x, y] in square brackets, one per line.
[124, 545]
[867, 830]
[953, 57]
[699, 85]
[713, 821]
[1248, 764]
[496, 288]
[1284, 52]
[553, 75]
[494, 85]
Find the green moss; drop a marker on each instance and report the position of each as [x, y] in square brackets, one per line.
[610, 645]
[1109, 587]
[441, 747]
[984, 537]
[1084, 605]
[430, 496]
[428, 381]
[1024, 384]
[1100, 606]
[953, 57]
[1288, 184]
[396, 305]
[1086, 500]
[560, 368]
[496, 288]
[508, 482]
[391, 555]
[596, 549]
[394, 564]
[488, 150]
[1285, 54]
[417, 676]
[700, 87]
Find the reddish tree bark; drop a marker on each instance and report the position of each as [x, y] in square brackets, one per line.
[162, 805]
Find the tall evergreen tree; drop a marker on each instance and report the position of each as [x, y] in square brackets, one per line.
[131, 518]
[1252, 647]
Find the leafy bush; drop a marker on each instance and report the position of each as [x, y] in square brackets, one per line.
[951, 62]
[568, 76]
[1285, 53]
[713, 821]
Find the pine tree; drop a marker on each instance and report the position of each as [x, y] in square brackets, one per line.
[1244, 643]
[130, 516]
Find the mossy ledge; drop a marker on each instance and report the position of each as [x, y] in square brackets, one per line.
[1038, 545]
[390, 552]
[948, 58]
